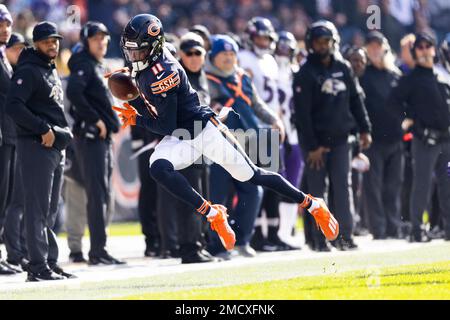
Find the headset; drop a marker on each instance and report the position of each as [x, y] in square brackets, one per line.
[90, 29]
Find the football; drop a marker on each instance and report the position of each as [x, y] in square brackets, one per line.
[122, 87]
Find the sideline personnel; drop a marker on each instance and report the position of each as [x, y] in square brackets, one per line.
[35, 102]
[424, 94]
[95, 121]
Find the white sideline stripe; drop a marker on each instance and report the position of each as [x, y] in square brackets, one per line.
[145, 267]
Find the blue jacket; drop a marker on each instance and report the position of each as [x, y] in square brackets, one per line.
[236, 90]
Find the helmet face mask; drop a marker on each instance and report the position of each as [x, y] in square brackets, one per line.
[322, 29]
[136, 55]
[259, 27]
[259, 49]
[286, 45]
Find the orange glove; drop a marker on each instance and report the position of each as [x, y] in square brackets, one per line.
[127, 115]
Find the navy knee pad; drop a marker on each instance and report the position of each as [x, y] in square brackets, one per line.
[175, 183]
[161, 169]
[258, 176]
[277, 183]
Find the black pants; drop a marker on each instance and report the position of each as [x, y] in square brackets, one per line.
[427, 160]
[14, 228]
[337, 171]
[382, 185]
[95, 159]
[180, 224]
[361, 216]
[407, 183]
[147, 202]
[6, 177]
[42, 173]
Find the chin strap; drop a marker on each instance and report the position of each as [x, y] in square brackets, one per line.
[138, 66]
[261, 52]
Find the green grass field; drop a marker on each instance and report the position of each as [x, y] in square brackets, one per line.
[421, 281]
[408, 272]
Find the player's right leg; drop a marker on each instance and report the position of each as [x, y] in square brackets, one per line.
[172, 154]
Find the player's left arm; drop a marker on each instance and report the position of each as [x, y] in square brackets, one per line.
[165, 99]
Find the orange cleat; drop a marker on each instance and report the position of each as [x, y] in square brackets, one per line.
[220, 225]
[324, 219]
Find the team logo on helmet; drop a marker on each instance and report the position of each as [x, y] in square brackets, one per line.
[153, 29]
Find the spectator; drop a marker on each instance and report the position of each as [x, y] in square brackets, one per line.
[291, 154]
[35, 102]
[13, 231]
[95, 122]
[357, 57]
[382, 181]
[7, 132]
[327, 103]
[424, 95]
[258, 61]
[225, 79]
[204, 33]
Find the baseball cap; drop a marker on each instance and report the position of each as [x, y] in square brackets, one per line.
[45, 30]
[191, 41]
[16, 38]
[424, 37]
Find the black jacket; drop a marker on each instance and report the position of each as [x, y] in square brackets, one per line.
[327, 103]
[424, 97]
[7, 128]
[377, 85]
[90, 98]
[35, 99]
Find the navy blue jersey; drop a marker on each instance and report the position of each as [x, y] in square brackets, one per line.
[171, 102]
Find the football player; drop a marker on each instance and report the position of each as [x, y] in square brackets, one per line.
[169, 105]
[291, 153]
[258, 61]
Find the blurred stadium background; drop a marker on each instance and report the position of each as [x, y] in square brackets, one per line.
[396, 18]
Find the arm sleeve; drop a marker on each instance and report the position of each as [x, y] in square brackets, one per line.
[262, 111]
[302, 89]
[166, 122]
[23, 86]
[76, 85]
[357, 106]
[139, 105]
